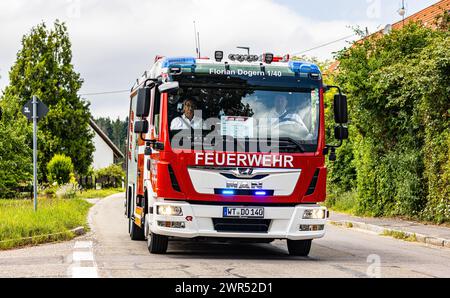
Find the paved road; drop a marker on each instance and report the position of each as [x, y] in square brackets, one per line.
[107, 251]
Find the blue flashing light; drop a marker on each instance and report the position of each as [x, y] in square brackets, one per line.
[170, 61]
[299, 66]
[260, 193]
[228, 192]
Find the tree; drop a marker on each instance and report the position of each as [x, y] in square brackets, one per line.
[16, 167]
[44, 68]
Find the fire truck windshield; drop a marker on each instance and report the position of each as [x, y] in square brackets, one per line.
[244, 119]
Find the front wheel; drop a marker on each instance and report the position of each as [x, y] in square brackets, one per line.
[299, 247]
[157, 244]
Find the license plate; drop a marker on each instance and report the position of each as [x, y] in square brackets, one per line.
[243, 212]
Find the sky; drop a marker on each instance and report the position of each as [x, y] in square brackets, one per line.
[114, 42]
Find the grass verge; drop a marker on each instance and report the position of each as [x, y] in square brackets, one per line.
[98, 193]
[21, 226]
[343, 202]
[400, 235]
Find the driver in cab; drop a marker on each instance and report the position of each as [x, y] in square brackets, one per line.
[188, 119]
[281, 117]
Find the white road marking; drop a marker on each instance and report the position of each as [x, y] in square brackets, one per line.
[83, 256]
[83, 244]
[83, 252]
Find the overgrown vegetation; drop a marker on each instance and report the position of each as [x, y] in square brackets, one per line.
[345, 202]
[20, 225]
[397, 161]
[400, 235]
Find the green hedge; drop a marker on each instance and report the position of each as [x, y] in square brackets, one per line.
[398, 158]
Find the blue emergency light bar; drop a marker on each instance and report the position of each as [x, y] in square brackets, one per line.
[172, 61]
[300, 66]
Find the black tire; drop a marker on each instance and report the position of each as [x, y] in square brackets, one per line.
[136, 233]
[299, 247]
[157, 244]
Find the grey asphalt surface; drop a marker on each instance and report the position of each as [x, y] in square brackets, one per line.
[341, 253]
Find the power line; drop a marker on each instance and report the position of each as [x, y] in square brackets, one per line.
[323, 45]
[297, 53]
[105, 92]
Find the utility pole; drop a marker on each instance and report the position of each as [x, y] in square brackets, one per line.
[35, 118]
[402, 12]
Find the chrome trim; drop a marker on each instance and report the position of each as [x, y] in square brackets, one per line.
[239, 173]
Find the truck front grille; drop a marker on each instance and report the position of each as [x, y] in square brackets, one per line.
[241, 225]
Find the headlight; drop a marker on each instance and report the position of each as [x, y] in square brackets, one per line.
[170, 210]
[314, 214]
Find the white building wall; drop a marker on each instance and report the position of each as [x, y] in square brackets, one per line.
[103, 154]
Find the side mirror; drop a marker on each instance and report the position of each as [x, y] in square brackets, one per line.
[141, 126]
[341, 133]
[143, 102]
[340, 109]
[169, 87]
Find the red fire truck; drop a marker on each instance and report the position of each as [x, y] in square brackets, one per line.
[229, 149]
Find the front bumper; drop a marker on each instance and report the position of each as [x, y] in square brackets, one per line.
[197, 221]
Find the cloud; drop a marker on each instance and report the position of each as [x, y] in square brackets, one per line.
[115, 41]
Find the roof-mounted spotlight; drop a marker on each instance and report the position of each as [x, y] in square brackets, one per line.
[267, 58]
[232, 57]
[218, 55]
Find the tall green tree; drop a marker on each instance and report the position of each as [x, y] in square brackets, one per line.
[15, 154]
[44, 68]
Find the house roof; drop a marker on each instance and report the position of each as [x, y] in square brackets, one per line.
[108, 141]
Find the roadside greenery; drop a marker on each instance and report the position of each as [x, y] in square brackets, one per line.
[15, 154]
[53, 221]
[44, 68]
[111, 176]
[397, 161]
[20, 225]
[59, 169]
[98, 193]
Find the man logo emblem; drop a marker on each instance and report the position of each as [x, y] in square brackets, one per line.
[245, 171]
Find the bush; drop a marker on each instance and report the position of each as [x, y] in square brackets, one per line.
[60, 169]
[111, 176]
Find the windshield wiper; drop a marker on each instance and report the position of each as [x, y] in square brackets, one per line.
[295, 142]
